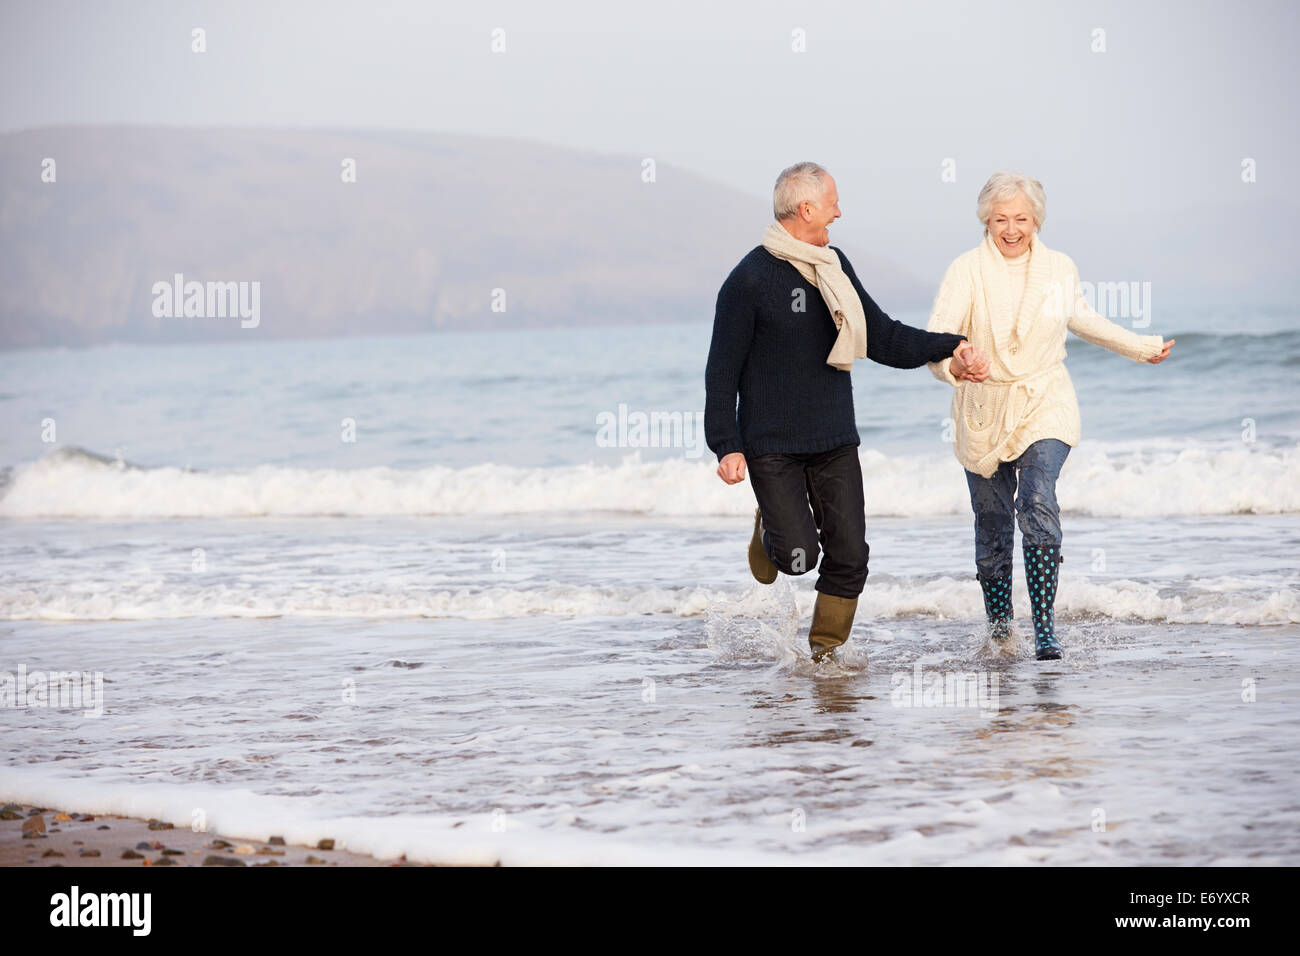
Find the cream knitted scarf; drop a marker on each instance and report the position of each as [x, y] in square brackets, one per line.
[820, 266]
[1011, 318]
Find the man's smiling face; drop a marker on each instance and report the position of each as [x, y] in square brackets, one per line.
[824, 212]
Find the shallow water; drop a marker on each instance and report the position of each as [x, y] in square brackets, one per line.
[478, 633]
[546, 722]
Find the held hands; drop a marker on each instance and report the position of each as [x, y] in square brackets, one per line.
[732, 468]
[969, 363]
[1163, 355]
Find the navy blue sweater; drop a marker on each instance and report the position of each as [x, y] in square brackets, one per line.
[791, 401]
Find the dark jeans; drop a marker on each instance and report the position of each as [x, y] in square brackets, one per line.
[812, 505]
[993, 500]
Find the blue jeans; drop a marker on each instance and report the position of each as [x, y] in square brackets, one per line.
[1035, 508]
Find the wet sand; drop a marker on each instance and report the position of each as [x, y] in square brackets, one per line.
[43, 836]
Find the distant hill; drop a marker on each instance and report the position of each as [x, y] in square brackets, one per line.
[433, 224]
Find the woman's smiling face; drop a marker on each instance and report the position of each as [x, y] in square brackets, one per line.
[1011, 224]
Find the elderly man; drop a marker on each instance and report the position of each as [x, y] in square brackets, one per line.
[790, 320]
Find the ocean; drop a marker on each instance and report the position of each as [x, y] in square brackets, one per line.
[480, 596]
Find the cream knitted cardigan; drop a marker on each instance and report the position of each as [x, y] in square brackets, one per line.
[1028, 395]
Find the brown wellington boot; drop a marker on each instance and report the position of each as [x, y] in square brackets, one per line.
[760, 565]
[831, 623]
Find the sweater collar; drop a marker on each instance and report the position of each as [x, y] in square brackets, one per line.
[995, 273]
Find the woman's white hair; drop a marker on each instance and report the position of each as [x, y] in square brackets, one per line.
[799, 183]
[1002, 187]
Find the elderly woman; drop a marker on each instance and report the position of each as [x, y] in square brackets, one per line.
[1015, 414]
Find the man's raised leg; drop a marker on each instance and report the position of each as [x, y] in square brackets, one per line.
[834, 481]
[789, 534]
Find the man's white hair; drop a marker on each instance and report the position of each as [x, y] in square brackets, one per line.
[1002, 187]
[799, 183]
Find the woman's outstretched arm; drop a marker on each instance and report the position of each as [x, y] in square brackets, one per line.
[1089, 325]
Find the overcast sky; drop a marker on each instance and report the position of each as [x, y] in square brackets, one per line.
[1135, 145]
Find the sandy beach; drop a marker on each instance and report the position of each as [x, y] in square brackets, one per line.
[42, 836]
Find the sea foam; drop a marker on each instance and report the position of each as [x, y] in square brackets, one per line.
[1081, 596]
[1171, 479]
